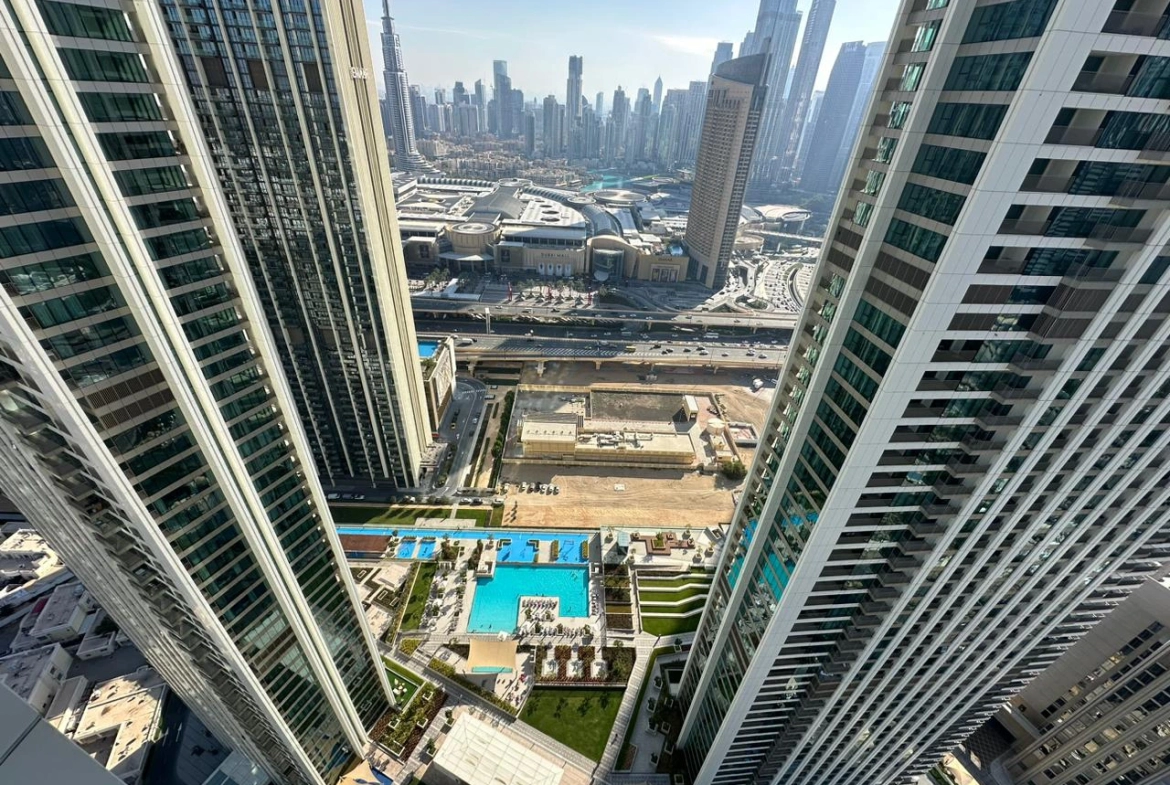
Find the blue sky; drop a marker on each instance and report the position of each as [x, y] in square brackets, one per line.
[627, 42]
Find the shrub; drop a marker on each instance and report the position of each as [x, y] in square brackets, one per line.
[734, 470]
[408, 646]
[442, 668]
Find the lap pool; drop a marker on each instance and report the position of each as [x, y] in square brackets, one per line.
[496, 606]
[514, 546]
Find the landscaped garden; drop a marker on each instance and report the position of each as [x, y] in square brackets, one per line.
[672, 604]
[404, 729]
[420, 595]
[403, 683]
[578, 718]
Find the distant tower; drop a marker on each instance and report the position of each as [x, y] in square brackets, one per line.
[555, 116]
[657, 95]
[826, 158]
[812, 47]
[502, 89]
[529, 123]
[481, 104]
[734, 104]
[398, 120]
[573, 90]
[777, 28]
[599, 105]
[722, 55]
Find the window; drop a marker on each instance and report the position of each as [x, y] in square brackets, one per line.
[885, 149]
[84, 21]
[974, 121]
[136, 182]
[1060, 261]
[20, 153]
[43, 236]
[866, 351]
[1152, 79]
[115, 107]
[915, 239]
[94, 65]
[862, 213]
[924, 37]
[74, 306]
[873, 182]
[169, 245]
[150, 216]
[988, 72]
[1131, 130]
[43, 276]
[32, 195]
[931, 203]
[126, 146]
[1003, 21]
[13, 110]
[898, 114]
[911, 76]
[879, 323]
[948, 163]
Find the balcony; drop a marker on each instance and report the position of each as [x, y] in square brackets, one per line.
[1133, 23]
[871, 609]
[1047, 184]
[1100, 233]
[1079, 136]
[1097, 82]
[1134, 192]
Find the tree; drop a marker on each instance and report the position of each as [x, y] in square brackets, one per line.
[734, 470]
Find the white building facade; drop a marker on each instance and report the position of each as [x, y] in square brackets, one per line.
[964, 465]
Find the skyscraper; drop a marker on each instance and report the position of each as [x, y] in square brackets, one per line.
[814, 115]
[502, 94]
[619, 117]
[573, 91]
[311, 203]
[735, 101]
[832, 141]
[691, 123]
[553, 128]
[965, 459]
[640, 127]
[481, 104]
[791, 124]
[529, 124]
[666, 146]
[397, 104]
[722, 55]
[459, 94]
[777, 27]
[870, 67]
[657, 95]
[149, 433]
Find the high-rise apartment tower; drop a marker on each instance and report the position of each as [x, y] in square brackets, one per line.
[735, 100]
[791, 123]
[965, 463]
[397, 103]
[147, 429]
[310, 198]
[777, 28]
[825, 164]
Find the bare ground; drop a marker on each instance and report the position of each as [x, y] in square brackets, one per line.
[650, 497]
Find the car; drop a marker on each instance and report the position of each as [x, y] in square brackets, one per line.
[750, 353]
[332, 496]
[687, 350]
[556, 489]
[704, 352]
[723, 354]
[361, 497]
[763, 356]
[657, 346]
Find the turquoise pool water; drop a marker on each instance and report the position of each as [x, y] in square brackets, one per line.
[514, 546]
[427, 349]
[496, 606]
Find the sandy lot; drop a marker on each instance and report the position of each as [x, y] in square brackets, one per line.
[587, 499]
[651, 498]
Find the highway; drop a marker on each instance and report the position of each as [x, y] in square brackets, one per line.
[766, 357]
[568, 311]
[461, 325]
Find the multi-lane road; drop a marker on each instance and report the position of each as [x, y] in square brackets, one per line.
[765, 356]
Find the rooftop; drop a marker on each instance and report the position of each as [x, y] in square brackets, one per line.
[21, 672]
[548, 430]
[60, 609]
[118, 724]
[478, 754]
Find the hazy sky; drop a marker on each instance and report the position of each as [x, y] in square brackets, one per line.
[626, 42]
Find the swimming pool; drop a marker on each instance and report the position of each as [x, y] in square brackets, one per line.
[515, 547]
[427, 349]
[496, 606]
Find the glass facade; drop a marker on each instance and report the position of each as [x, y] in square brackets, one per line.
[264, 89]
[91, 327]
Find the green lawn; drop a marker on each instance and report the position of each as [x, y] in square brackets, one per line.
[403, 516]
[695, 603]
[672, 596]
[671, 625]
[581, 719]
[420, 592]
[401, 677]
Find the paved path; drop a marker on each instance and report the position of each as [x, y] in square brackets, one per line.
[628, 711]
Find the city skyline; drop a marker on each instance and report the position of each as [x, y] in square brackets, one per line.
[458, 39]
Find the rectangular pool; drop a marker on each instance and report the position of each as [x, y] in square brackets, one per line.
[515, 547]
[496, 606]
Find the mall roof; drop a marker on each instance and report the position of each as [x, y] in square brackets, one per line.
[478, 754]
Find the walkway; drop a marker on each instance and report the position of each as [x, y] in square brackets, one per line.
[644, 646]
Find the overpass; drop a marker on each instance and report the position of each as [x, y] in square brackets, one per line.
[765, 359]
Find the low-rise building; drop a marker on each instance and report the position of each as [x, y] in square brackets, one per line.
[28, 568]
[120, 722]
[438, 371]
[34, 751]
[36, 675]
[566, 439]
[63, 616]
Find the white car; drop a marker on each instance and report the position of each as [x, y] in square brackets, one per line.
[332, 496]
